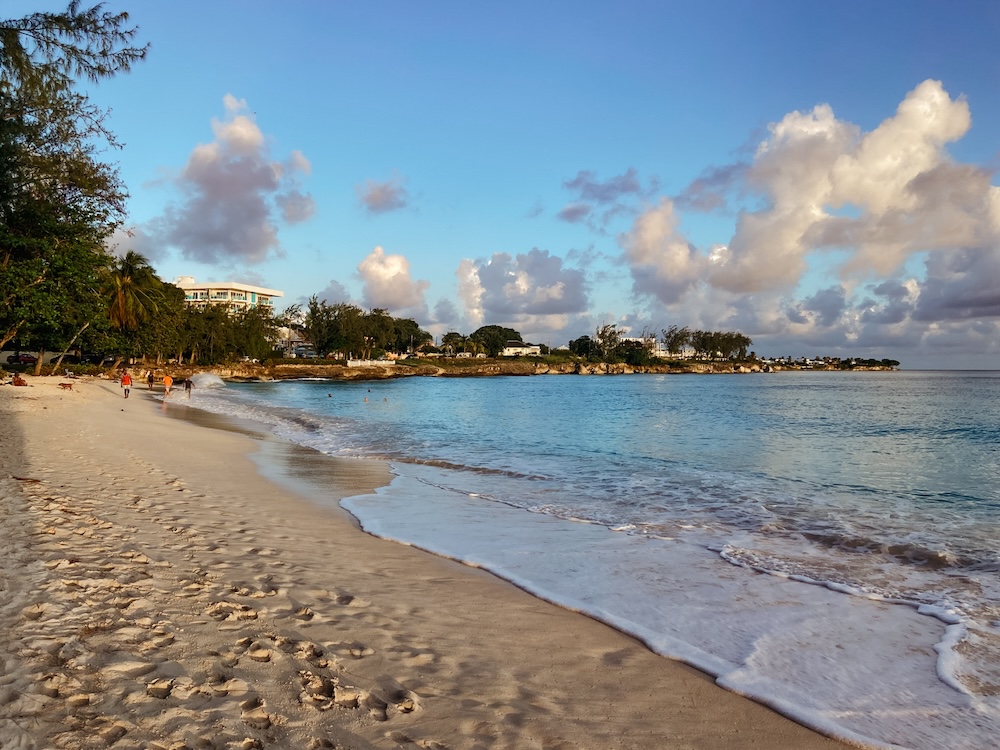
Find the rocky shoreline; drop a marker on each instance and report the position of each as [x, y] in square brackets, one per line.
[490, 368]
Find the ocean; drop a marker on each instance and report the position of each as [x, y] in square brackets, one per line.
[827, 543]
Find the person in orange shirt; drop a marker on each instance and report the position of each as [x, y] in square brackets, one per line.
[167, 382]
[126, 382]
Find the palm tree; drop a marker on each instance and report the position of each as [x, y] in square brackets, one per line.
[451, 341]
[133, 292]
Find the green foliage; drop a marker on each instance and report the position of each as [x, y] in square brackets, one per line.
[50, 50]
[675, 339]
[255, 331]
[379, 329]
[318, 324]
[133, 292]
[346, 329]
[634, 353]
[58, 201]
[409, 336]
[583, 346]
[49, 261]
[851, 363]
[453, 342]
[493, 338]
[558, 356]
[707, 344]
[606, 341]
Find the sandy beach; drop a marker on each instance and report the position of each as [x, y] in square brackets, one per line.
[158, 592]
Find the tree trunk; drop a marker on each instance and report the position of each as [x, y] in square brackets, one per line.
[11, 332]
[39, 361]
[70, 344]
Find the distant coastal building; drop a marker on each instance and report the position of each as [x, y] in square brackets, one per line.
[655, 347]
[519, 348]
[231, 294]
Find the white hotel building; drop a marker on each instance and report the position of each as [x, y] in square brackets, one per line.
[232, 294]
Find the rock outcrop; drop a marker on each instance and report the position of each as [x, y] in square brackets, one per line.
[481, 368]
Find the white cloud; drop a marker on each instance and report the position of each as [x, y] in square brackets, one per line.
[880, 196]
[534, 293]
[231, 192]
[387, 284]
[663, 263]
[532, 283]
[470, 292]
[819, 193]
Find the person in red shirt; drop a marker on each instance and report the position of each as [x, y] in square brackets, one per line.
[126, 382]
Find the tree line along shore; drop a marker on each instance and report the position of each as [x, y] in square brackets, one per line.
[419, 367]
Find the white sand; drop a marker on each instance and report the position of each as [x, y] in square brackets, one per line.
[156, 592]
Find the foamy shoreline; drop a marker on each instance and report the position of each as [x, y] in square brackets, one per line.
[159, 593]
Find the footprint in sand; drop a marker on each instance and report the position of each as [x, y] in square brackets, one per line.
[357, 650]
[304, 613]
[231, 612]
[403, 701]
[419, 659]
[317, 690]
[254, 715]
[159, 688]
[256, 650]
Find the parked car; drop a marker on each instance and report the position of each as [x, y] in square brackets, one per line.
[22, 358]
[69, 359]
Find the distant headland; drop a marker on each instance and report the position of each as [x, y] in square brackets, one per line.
[456, 367]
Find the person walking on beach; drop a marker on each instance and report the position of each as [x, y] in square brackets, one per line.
[188, 385]
[150, 379]
[167, 382]
[126, 382]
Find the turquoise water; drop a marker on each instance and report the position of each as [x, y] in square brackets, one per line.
[744, 524]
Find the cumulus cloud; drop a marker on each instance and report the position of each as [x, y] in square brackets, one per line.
[534, 293]
[824, 308]
[233, 193]
[662, 262]
[961, 285]
[383, 197]
[447, 315]
[532, 283]
[386, 284]
[880, 196]
[890, 302]
[470, 291]
[820, 193]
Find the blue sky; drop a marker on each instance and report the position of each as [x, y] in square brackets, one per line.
[819, 176]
